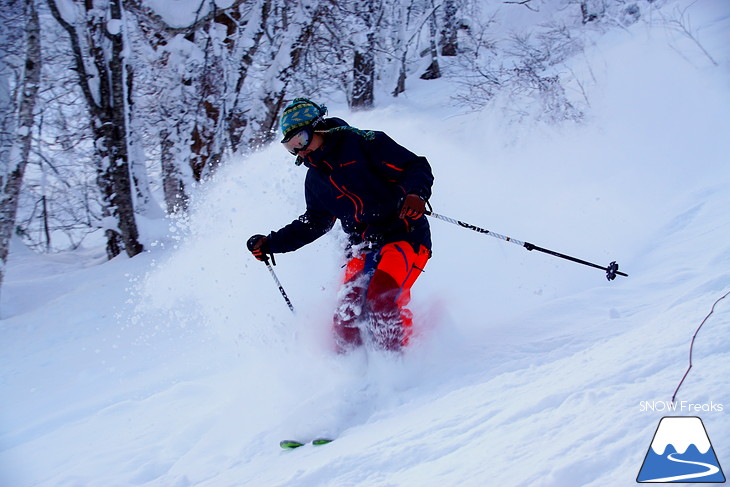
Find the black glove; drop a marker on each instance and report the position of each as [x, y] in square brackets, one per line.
[413, 207]
[259, 249]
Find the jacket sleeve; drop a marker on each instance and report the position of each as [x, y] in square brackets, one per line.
[314, 223]
[400, 165]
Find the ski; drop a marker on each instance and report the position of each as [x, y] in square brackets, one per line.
[293, 444]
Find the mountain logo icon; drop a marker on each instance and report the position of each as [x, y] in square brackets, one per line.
[681, 452]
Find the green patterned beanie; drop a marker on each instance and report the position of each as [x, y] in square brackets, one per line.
[299, 113]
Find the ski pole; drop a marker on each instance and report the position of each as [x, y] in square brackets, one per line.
[254, 245]
[611, 270]
[278, 283]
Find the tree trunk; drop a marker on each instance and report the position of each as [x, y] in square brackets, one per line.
[173, 184]
[433, 71]
[363, 67]
[363, 85]
[11, 182]
[449, 33]
[206, 144]
[145, 203]
[587, 12]
[121, 201]
[403, 44]
[400, 86]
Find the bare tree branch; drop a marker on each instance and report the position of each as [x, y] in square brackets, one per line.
[526, 3]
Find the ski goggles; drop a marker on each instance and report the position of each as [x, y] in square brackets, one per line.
[299, 141]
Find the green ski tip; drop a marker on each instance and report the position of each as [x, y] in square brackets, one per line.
[321, 441]
[290, 444]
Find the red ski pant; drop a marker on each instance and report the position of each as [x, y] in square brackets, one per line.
[375, 298]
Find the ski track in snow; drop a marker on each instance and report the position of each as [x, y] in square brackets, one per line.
[184, 367]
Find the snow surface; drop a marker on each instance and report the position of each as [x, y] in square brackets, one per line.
[184, 367]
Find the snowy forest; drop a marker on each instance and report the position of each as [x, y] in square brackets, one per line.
[114, 111]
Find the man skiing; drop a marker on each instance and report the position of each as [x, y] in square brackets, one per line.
[378, 190]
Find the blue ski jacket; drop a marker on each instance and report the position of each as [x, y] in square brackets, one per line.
[361, 178]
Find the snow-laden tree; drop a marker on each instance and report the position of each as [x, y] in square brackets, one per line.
[96, 32]
[291, 31]
[529, 74]
[194, 77]
[361, 49]
[59, 204]
[18, 111]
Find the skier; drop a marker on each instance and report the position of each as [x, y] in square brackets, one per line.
[378, 190]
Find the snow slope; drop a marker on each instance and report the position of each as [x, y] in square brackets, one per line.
[183, 367]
